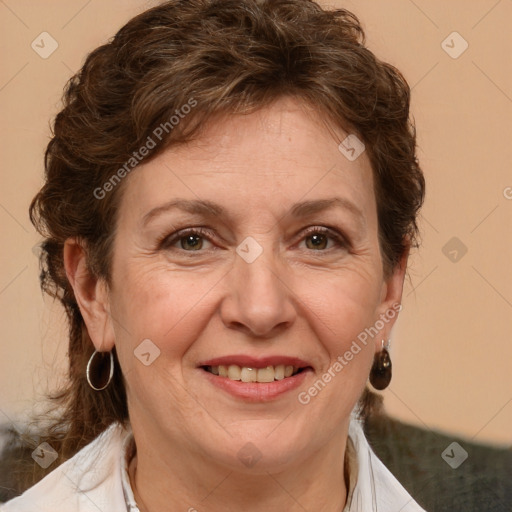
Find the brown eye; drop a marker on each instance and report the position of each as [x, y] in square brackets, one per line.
[188, 240]
[191, 242]
[317, 241]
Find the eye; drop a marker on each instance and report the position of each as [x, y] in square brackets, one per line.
[316, 241]
[192, 242]
[321, 238]
[189, 240]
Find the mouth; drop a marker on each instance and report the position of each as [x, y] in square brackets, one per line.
[254, 379]
[269, 373]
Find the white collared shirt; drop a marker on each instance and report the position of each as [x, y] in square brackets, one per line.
[96, 479]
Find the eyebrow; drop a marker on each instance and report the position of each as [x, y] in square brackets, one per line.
[211, 209]
[198, 207]
[307, 208]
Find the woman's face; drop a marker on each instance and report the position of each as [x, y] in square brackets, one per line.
[254, 246]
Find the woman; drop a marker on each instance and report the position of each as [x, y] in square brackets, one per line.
[230, 199]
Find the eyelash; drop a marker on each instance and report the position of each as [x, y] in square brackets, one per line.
[340, 241]
[168, 241]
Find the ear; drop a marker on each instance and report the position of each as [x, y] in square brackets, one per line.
[391, 298]
[91, 295]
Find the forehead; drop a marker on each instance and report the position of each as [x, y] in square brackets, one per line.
[260, 161]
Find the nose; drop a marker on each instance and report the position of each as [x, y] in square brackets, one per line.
[258, 301]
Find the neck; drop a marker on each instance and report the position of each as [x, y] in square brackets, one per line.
[319, 484]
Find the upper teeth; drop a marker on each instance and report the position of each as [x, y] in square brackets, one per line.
[247, 374]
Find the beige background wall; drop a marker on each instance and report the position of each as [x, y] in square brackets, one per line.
[452, 349]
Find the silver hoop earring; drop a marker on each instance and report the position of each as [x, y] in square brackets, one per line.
[97, 370]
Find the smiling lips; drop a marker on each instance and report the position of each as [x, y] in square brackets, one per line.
[250, 374]
[255, 370]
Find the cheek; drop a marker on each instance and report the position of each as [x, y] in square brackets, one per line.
[171, 311]
[152, 302]
[340, 316]
[340, 310]
[344, 303]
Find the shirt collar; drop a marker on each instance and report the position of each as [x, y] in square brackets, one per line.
[127, 454]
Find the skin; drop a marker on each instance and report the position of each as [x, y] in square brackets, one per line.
[296, 299]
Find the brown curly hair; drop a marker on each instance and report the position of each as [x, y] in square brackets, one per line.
[231, 57]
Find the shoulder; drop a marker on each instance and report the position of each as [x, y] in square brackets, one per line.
[376, 486]
[89, 481]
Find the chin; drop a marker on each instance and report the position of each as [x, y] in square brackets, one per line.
[268, 447]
